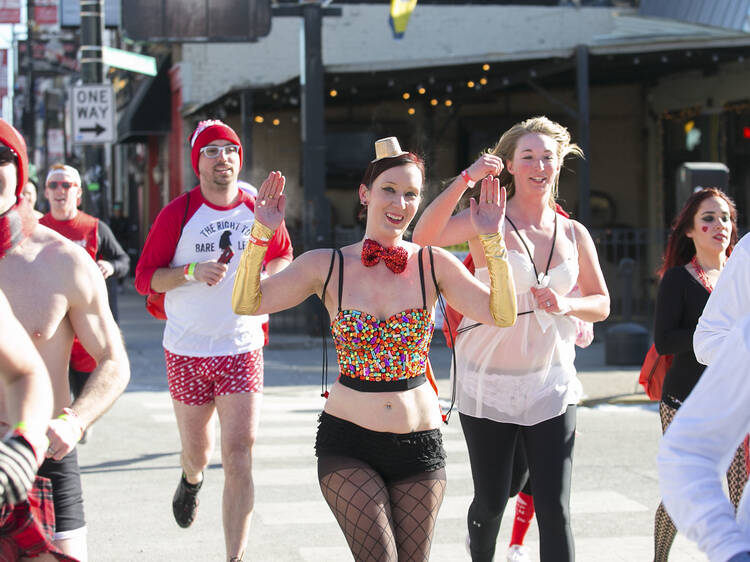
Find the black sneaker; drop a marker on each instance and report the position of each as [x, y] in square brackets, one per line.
[185, 502]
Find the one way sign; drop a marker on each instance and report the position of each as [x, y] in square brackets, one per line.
[93, 112]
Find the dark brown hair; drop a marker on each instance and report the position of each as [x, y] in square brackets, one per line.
[374, 169]
[680, 248]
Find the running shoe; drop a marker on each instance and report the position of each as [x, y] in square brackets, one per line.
[185, 502]
[518, 553]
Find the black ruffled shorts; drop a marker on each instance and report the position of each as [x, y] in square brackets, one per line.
[395, 456]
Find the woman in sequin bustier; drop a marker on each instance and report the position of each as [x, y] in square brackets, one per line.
[519, 383]
[378, 440]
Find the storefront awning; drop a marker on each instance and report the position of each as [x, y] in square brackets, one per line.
[148, 113]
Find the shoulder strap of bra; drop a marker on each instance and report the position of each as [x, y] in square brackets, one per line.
[341, 276]
[421, 277]
[328, 277]
[432, 271]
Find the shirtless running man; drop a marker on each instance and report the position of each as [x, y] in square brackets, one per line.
[57, 291]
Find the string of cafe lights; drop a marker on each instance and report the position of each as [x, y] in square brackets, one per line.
[447, 101]
[419, 92]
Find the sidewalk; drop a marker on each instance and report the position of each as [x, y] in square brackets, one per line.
[602, 383]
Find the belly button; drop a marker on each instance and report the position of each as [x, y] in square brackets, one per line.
[387, 405]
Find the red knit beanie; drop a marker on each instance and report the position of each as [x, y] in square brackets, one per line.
[205, 133]
[11, 138]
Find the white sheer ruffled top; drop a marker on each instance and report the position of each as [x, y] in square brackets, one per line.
[523, 374]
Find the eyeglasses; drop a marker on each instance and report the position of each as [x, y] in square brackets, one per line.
[7, 156]
[66, 185]
[213, 151]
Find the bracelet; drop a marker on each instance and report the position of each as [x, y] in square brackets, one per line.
[467, 179]
[189, 271]
[71, 417]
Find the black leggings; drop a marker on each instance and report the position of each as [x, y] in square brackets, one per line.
[549, 452]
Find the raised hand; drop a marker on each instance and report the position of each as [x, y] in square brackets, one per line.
[271, 201]
[487, 214]
[485, 165]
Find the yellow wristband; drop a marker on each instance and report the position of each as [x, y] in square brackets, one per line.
[72, 418]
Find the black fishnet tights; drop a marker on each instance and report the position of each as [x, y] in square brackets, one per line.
[382, 522]
[664, 529]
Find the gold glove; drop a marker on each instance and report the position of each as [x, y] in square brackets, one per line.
[502, 289]
[246, 291]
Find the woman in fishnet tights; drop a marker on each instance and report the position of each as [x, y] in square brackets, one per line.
[702, 237]
[380, 454]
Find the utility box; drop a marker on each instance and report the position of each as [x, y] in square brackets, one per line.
[695, 175]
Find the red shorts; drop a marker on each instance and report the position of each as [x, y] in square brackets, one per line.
[197, 380]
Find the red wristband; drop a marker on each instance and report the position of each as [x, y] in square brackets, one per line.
[467, 178]
[259, 242]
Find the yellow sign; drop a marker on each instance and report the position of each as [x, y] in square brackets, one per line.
[400, 13]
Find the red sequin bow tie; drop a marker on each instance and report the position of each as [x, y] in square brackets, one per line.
[394, 258]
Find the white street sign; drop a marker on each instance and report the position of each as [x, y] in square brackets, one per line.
[93, 112]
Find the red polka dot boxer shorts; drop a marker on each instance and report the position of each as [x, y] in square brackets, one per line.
[197, 380]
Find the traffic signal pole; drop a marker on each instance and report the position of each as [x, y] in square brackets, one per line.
[93, 174]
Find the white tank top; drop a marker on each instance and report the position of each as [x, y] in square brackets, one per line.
[523, 374]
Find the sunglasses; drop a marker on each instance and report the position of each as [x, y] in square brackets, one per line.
[66, 185]
[213, 151]
[7, 156]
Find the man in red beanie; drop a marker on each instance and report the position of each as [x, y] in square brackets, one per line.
[57, 291]
[214, 357]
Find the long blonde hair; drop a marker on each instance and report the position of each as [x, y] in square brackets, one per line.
[506, 147]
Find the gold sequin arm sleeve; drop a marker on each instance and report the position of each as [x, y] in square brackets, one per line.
[502, 289]
[246, 293]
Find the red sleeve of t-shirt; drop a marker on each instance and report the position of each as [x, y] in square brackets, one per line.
[162, 240]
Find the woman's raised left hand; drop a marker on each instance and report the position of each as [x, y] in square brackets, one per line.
[487, 214]
[270, 203]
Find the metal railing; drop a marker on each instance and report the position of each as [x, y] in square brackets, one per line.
[612, 246]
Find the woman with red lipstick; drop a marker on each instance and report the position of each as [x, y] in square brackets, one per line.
[519, 382]
[380, 454]
[702, 237]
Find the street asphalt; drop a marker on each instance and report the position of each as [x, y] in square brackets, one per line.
[130, 465]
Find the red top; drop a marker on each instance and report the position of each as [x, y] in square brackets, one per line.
[82, 229]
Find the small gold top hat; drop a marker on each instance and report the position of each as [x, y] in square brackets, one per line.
[387, 148]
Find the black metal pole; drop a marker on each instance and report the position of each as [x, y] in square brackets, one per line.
[92, 72]
[584, 134]
[316, 212]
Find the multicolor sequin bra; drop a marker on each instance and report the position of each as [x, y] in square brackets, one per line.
[377, 355]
